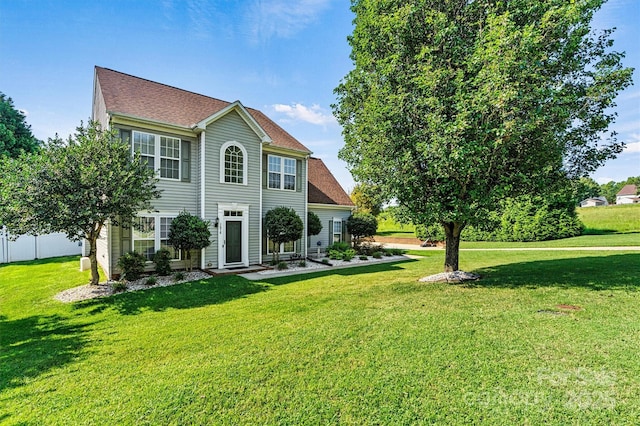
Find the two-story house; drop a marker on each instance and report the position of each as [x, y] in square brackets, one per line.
[219, 160]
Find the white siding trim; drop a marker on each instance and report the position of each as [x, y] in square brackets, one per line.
[202, 189]
[245, 158]
[260, 221]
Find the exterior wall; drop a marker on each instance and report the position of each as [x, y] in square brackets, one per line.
[176, 196]
[627, 199]
[326, 215]
[297, 200]
[232, 127]
[103, 254]
[99, 109]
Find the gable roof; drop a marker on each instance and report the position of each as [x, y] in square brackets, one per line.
[628, 190]
[323, 187]
[137, 97]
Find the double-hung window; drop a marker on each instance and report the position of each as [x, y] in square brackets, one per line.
[169, 157]
[337, 230]
[282, 173]
[161, 153]
[288, 247]
[150, 234]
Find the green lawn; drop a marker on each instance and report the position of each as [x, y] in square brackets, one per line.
[611, 219]
[364, 345]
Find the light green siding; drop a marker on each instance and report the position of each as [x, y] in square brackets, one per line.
[295, 199]
[232, 127]
[326, 216]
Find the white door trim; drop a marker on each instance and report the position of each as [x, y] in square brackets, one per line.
[244, 208]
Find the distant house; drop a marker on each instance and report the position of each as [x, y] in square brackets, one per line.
[222, 161]
[594, 202]
[628, 195]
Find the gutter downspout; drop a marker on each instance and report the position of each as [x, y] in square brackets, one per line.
[202, 191]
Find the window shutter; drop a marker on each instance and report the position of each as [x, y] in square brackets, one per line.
[298, 176]
[265, 171]
[330, 232]
[185, 159]
[344, 231]
[125, 136]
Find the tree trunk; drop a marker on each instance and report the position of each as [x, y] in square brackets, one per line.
[95, 275]
[452, 231]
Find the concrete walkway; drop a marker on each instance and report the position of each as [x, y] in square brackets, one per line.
[416, 247]
[255, 276]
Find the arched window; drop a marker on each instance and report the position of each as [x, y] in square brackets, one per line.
[233, 163]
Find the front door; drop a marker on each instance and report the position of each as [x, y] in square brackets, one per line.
[233, 241]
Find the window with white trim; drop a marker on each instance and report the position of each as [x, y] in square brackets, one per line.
[337, 230]
[159, 150]
[282, 173]
[288, 247]
[150, 233]
[233, 163]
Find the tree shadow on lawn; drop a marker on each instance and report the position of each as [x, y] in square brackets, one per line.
[192, 294]
[612, 272]
[31, 346]
[355, 270]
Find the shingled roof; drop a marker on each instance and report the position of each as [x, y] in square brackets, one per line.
[630, 189]
[132, 96]
[323, 186]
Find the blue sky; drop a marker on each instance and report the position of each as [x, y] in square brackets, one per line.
[283, 57]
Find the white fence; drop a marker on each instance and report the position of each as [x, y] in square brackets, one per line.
[28, 247]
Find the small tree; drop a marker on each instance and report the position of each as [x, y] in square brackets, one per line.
[187, 233]
[75, 187]
[361, 225]
[314, 226]
[282, 225]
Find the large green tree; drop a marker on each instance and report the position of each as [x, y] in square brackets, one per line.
[454, 105]
[15, 133]
[76, 186]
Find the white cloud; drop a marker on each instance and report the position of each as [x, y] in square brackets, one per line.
[281, 18]
[313, 115]
[603, 180]
[632, 147]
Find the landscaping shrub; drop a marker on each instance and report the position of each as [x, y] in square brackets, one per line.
[314, 225]
[368, 248]
[132, 265]
[325, 261]
[394, 251]
[152, 280]
[339, 246]
[302, 264]
[335, 254]
[348, 255]
[282, 266]
[178, 276]
[524, 218]
[162, 259]
[363, 257]
[119, 286]
[377, 255]
[361, 225]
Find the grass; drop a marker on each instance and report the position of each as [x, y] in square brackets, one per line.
[611, 219]
[356, 346]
